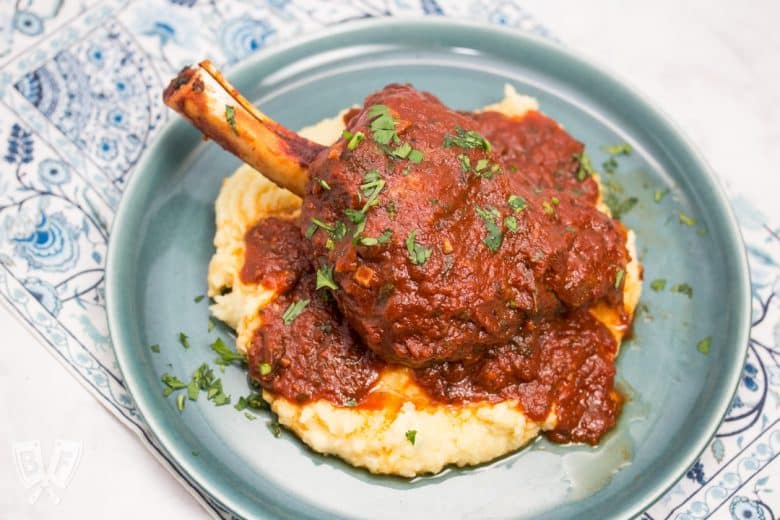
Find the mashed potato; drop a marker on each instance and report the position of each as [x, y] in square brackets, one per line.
[377, 439]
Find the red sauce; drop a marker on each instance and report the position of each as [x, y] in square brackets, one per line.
[476, 324]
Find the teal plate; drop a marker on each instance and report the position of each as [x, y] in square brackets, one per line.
[162, 241]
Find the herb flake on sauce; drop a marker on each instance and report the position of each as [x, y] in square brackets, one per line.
[293, 311]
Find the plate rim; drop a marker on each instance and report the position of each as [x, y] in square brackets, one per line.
[234, 502]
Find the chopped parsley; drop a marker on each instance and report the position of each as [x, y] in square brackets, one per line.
[510, 223]
[351, 402]
[610, 165]
[180, 401]
[383, 124]
[325, 278]
[416, 156]
[685, 219]
[618, 149]
[230, 116]
[155, 348]
[467, 139]
[324, 184]
[418, 254]
[384, 238]
[619, 278]
[253, 401]
[184, 340]
[411, 436]
[265, 369]
[465, 162]
[618, 207]
[354, 139]
[703, 346]
[199, 298]
[658, 284]
[250, 416]
[390, 209]
[494, 237]
[683, 288]
[172, 383]
[660, 194]
[225, 353]
[275, 427]
[355, 215]
[211, 325]
[293, 311]
[547, 207]
[372, 185]
[584, 168]
[402, 151]
[517, 203]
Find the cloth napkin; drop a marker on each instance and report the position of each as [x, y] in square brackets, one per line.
[80, 85]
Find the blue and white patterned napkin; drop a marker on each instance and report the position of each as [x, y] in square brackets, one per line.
[80, 85]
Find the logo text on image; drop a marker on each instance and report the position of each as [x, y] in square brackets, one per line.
[38, 477]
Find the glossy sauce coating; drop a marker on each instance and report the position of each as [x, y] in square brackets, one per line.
[517, 326]
[468, 294]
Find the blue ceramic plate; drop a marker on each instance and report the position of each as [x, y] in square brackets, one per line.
[161, 245]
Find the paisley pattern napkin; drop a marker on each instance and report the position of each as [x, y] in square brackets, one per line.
[80, 84]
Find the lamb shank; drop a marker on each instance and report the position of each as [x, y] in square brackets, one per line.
[433, 246]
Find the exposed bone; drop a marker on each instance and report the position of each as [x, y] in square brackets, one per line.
[202, 95]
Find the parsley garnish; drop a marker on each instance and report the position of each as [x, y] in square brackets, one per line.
[402, 152]
[619, 278]
[230, 116]
[211, 325]
[354, 140]
[275, 427]
[418, 254]
[199, 298]
[325, 278]
[184, 340]
[225, 353]
[465, 162]
[704, 345]
[355, 215]
[293, 311]
[155, 348]
[494, 237]
[180, 402]
[658, 285]
[468, 139]
[250, 416]
[172, 383]
[351, 402]
[383, 124]
[685, 219]
[683, 288]
[411, 436]
[517, 203]
[416, 156]
[510, 223]
[618, 207]
[322, 183]
[618, 149]
[660, 194]
[390, 209]
[585, 168]
[253, 401]
[265, 369]
[385, 236]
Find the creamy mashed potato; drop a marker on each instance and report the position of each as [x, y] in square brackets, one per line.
[375, 439]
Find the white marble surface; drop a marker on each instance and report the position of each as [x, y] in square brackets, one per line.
[714, 67]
